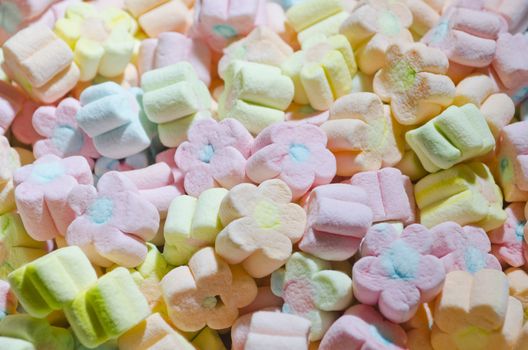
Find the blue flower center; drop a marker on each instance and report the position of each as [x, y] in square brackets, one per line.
[47, 172]
[100, 211]
[400, 261]
[225, 31]
[299, 152]
[475, 260]
[206, 153]
[67, 139]
[519, 230]
[440, 31]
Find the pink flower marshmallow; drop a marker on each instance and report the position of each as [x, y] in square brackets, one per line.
[508, 242]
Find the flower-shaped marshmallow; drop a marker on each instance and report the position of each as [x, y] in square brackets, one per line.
[397, 272]
[412, 81]
[207, 292]
[311, 289]
[509, 68]
[9, 162]
[294, 153]
[260, 226]
[215, 155]
[63, 137]
[102, 41]
[372, 27]
[508, 241]
[362, 327]
[42, 190]
[463, 248]
[113, 221]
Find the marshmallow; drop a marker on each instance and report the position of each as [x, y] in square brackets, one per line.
[362, 327]
[508, 241]
[511, 69]
[397, 272]
[174, 99]
[134, 162]
[11, 102]
[411, 166]
[9, 162]
[206, 292]
[455, 135]
[306, 114]
[22, 127]
[15, 344]
[208, 339]
[170, 48]
[322, 71]
[42, 190]
[463, 248]
[412, 81]
[296, 154]
[40, 63]
[390, 195]
[107, 308]
[214, 155]
[8, 300]
[372, 27]
[255, 94]
[425, 15]
[311, 289]
[476, 312]
[515, 12]
[192, 223]
[262, 45]
[518, 282]
[362, 134]
[220, 22]
[260, 226]
[338, 217]
[35, 284]
[313, 17]
[158, 16]
[465, 194]
[265, 299]
[114, 118]
[264, 330]
[63, 137]
[16, 246]
[522, 340]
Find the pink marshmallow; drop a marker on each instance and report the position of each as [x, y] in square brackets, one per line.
[508, 243]
[42, 190]
[514, 11]
[265, 300]
[338, 218]
[510, 64]
[390, 194]
[362, 327]
[294, 153]
[8, 300]
[22, 126]
[11, 102]
[167, 157]
[215, 155]
[171, 47]
[113, 221]
[397, 272]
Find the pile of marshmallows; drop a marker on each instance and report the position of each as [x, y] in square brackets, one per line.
[263, 175]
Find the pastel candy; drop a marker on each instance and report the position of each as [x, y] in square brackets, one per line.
[22, 127]
[362, 134]
[37, 332]
[96, 314]
[338, 217]
[113, 117]
[362, 327]
[63, 137]
[322, 71]
[42, 190]
[11, 101]
[512, 72]
[412, 81]
[411, 166]
[306, 114]
[311, 289]
[9, 162]
[425, 15]
[270, 330]
[515, 12]
[174, 99]
[40, 63]
[113, 221]
[133, 162]
[214, 155]
[463, 248]
[260, 226]
[298, 154]
[153, 333]
[455, 135]
[35, 284]
[313, 17]
[479, 89]
[206, 292]
[192, 223]
[8, 300]
[208, 339]
[265, 299]
[396, 271]
[262, 45]
[158, 16]
[512, 161]
[170, 48]
[465, 194]
[390, 195]
[522, 339]
[508, 241]
[16, 246]
[255, 94]
[15, 344]
[476, 312]
[372, 27]
[221, 22]
[518, 282]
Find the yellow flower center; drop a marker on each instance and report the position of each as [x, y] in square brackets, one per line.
[402, 75]
[266, 214]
